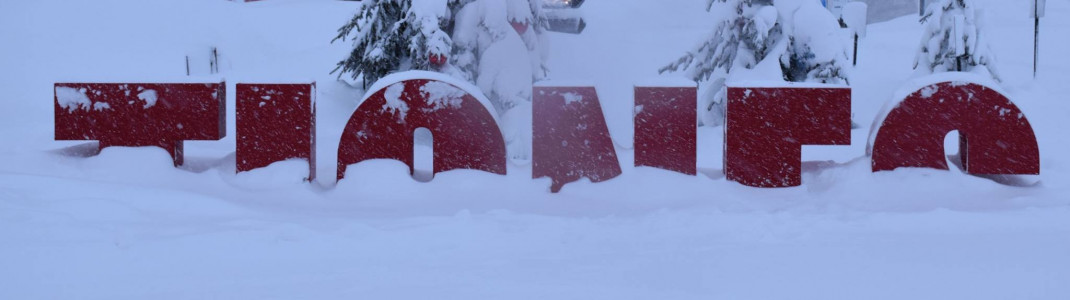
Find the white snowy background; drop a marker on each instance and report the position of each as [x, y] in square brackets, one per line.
[127, 225]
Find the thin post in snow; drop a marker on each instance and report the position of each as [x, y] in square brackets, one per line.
[187, 65]
[1036, 44]
[921, 9]
[214, 63]
[855, 57]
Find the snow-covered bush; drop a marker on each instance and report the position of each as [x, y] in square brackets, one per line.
[954, 40]
[816, 50]
[397, 35]
[789, 40]
[500, 46]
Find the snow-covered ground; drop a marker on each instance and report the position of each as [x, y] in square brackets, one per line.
[127, 225]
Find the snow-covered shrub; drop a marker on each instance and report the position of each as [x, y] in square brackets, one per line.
[500, 46]
[954, 40]
[397, 35]
[789, 40]
[816, 50]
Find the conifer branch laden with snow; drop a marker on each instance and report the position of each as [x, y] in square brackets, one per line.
[393, 35]
[954, 40]
[753, 30]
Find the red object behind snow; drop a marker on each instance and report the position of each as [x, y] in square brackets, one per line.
[520, 28]
[437, 60]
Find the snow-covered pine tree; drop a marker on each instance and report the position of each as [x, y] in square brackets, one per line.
[954, 40]
[744, 38]
[393, 35]
[753, 43]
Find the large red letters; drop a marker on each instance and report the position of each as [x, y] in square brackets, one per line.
[465, 134]
[665, 128]
[995, 136]
[275, 122]
[570, 139]
[766, 128]
[141, 114]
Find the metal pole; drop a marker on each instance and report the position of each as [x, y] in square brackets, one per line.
[921, 9]
[855, 57]
[1036, 44]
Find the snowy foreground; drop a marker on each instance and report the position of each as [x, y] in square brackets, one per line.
[127, 225]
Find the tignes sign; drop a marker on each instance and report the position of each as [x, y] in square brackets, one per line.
[765, 127]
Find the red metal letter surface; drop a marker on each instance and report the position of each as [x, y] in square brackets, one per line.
[141, 114]
[665, 128]
[996, 137]
[766, 128]
[276, 122]
[465, 134]
[570, 138]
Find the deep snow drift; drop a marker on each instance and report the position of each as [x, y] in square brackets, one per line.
[127, 225]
